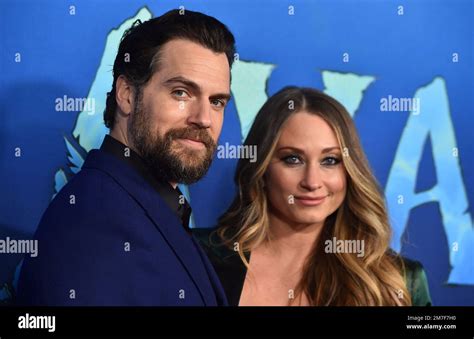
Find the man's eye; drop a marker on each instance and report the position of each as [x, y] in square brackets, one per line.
[330, 161]
[217, 102]
[179, 93]
[291, 159]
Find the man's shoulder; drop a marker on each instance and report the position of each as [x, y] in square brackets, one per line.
[92, 181]
[90, 197]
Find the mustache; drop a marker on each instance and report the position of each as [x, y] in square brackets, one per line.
[191, 133]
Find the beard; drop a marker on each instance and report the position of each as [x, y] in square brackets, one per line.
[167, 160]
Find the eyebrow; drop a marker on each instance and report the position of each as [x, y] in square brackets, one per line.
[332, 148]
[195, 87]
[324, 150]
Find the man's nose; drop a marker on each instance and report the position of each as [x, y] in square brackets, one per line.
[200, 114]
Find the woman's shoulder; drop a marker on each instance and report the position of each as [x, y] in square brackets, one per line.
[206, 237]
[202, 234]
[417, 282]
[212, 243]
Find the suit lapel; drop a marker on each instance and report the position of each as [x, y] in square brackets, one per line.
[181, 243]
[165, 221]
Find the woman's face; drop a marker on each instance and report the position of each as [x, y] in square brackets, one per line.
[305, 181]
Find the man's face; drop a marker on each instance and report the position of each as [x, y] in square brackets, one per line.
[177, 117]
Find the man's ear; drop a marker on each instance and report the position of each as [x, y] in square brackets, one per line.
[124, 95]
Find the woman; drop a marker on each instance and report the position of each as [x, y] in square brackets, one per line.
[309, 225]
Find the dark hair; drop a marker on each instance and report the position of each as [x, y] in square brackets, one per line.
[137, 57]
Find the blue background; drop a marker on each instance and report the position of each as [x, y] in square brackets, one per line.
[60, 55]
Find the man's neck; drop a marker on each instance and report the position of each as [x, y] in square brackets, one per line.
[120, 135]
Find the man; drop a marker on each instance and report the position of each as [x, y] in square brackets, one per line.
[117, 233]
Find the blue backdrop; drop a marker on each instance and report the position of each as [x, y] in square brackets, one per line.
[375, 57]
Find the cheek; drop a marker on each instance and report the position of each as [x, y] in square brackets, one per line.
[216, 126]
[280, 184]
[165, 112]
[337, 184]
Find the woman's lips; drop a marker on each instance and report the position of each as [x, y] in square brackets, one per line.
[309, 201]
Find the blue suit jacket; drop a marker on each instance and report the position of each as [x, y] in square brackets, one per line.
[108, 238]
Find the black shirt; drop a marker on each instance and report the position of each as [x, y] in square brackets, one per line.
[174, 198]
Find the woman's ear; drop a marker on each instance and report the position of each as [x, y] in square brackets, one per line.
[124, 96]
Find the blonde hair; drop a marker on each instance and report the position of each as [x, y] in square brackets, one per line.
[341, 279]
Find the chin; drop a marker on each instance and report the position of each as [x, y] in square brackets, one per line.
[187, 154]
[306, 218]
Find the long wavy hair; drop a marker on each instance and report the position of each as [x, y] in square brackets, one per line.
[339, 279]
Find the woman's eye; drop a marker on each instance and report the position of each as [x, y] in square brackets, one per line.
[292, 160]
[330, 161]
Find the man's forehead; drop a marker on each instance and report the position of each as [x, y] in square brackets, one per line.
[185, 52]
[203, 74]
[194, 72]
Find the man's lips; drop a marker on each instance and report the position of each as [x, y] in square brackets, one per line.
[192, 142]
[311, 201]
